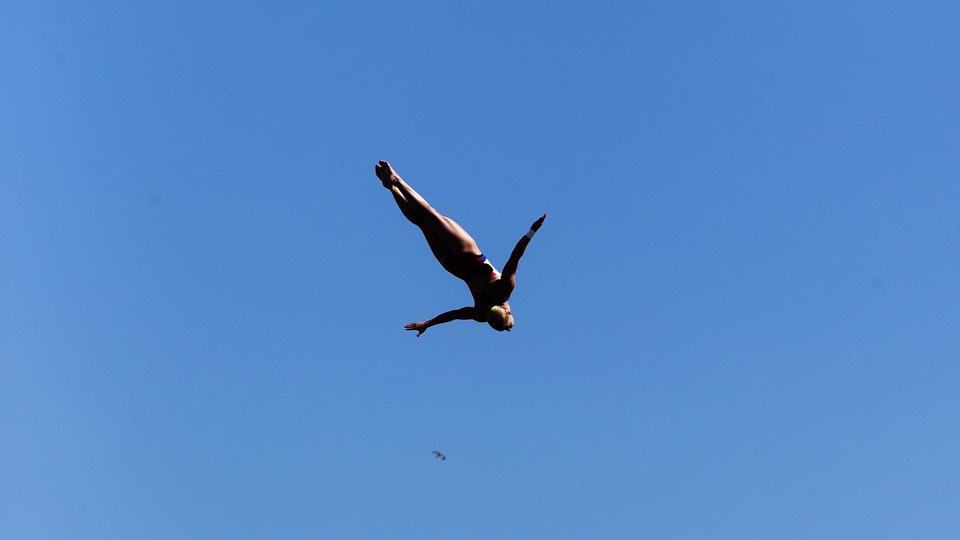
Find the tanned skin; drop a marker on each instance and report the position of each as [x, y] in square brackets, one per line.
[448, 240]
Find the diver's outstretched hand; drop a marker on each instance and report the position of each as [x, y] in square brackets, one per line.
[385, 173]
[536, 224]
[420, 327]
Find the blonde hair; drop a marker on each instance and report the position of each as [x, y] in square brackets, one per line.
[497, 317]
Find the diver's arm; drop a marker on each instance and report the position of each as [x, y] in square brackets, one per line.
[510, 269]
[464, 313]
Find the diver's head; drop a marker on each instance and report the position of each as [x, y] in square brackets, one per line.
[499, 318]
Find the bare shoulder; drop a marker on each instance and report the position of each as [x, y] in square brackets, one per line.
[488, 295]
[500, 290]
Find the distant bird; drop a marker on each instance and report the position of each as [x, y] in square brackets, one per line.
[439, 455]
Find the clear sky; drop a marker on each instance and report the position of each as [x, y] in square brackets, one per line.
[740, 319]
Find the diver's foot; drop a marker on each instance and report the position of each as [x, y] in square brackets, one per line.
[388, 177]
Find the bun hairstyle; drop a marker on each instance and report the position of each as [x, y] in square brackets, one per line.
[497, 318]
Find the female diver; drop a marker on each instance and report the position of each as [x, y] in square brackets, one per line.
[458, 254]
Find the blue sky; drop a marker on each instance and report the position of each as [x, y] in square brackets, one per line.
[739, 320]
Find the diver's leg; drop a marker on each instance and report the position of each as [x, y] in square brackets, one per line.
[439, 250]
[448, 231]
[404, 207]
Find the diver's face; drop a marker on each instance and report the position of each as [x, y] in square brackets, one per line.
[509, 325]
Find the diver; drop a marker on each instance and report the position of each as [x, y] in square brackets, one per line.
[459, 254]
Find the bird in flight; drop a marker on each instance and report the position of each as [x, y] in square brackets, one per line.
[439, 455]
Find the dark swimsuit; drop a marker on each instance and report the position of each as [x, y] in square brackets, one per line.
[467, 266]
